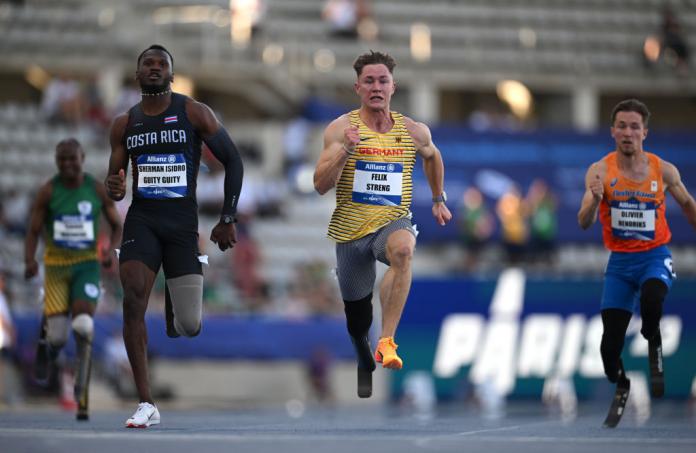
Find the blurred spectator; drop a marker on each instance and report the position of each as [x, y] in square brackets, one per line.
[128, 96]
[96, 112]
[295, 147]
[348, 18]
[9, 389]
[542, 206]
[63, 101]
[493, 116]
[16, 211]
[476, 225]
[674, 44]
[246, 259]
[318, 368]
[515, 233]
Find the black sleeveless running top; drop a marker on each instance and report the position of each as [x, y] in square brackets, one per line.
[165, 153]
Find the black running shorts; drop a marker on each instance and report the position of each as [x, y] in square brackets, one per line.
[162, 233]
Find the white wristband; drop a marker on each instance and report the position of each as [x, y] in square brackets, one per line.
[350, 153]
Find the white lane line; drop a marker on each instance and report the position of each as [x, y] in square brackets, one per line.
[478, 431]
[592, 440]
[150, 434]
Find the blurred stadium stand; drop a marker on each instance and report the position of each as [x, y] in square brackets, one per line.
[577, 58]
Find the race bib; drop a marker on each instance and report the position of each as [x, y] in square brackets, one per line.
[73, 231]
[378, 183]
[633, 220]
[162, 175]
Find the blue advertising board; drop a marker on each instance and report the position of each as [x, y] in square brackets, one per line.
[515, 332]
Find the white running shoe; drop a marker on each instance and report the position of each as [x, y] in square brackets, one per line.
[146, 415]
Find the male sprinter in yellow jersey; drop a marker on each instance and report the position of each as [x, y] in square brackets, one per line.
[369, 155]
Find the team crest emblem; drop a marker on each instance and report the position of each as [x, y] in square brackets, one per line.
[85, 207]
[653, 186]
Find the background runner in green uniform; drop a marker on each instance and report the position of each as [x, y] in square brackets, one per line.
[66, 210]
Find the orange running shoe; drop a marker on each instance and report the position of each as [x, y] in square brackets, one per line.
[386, 354]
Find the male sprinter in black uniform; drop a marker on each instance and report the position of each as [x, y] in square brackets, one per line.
[162, 137]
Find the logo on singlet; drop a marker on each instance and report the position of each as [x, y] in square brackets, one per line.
[85, 207]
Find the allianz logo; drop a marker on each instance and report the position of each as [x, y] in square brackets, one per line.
[161, 159]
[502, 348]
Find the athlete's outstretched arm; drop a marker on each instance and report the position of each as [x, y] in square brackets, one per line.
[118, 161]
[217, 139]
[114, 221]
[36, 222]
[433, 167]
[675, 186]
[223, 148]
[594, 192]
[340, 140]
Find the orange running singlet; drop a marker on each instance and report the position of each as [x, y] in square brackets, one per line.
[632, 213]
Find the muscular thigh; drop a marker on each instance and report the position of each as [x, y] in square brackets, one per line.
[380, 243]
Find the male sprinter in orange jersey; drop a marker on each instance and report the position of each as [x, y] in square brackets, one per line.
[627, 189]
[369, 155]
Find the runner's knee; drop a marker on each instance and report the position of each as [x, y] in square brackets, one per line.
[652, 296]
[359, 316]
[615, 323]
[186, 294]
[400, 254]
[57, 330]
[83, 325]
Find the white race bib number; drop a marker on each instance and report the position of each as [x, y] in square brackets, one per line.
[378, 183]
[162, 175]
[633, 220]
[73, 231]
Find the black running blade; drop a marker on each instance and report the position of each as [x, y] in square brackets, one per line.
[42, 359]
[364, 383]
[363, 351]
[657, 375]
[657, 386]
[618, 406]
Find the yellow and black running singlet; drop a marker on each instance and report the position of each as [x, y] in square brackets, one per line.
[376, 186]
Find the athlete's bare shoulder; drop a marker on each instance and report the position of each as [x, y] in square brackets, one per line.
[600, 167]
[119, 123]
[670, 173]
[419, 132]
[44, 193]
[201, 116]
[341, 122]
[336, 127]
